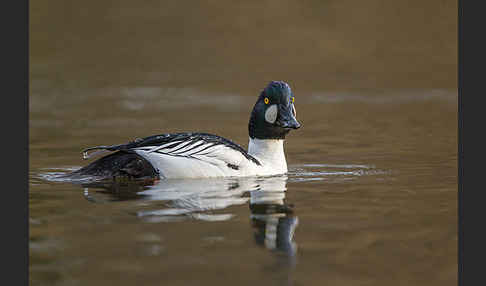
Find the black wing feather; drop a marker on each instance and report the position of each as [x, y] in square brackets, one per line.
[177, 138]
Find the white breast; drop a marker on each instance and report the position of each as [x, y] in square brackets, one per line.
[270, 153]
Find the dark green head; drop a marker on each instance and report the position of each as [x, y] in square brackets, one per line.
[273, 115]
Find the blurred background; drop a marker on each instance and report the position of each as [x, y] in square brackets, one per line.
[336, 44]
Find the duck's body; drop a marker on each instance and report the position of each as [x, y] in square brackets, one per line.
[203, 155]
[198, 155]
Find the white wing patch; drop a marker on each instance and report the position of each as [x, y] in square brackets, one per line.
[213, 153]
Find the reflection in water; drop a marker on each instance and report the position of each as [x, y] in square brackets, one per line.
[263, 238]
[274, 224]
[272, 218]
[114, 191]
[204, 199]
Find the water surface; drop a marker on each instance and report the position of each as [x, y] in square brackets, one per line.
[370, 198]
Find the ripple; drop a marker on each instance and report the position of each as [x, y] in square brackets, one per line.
[297, 173]
[320, 172]
[197, 199]
[338, 166]
[58, 175]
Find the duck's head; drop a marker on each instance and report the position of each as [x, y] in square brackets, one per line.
[273, 115]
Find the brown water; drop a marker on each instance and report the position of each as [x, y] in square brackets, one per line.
[371, 194]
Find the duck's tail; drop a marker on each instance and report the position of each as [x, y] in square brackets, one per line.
[101, 150]
[121, 163]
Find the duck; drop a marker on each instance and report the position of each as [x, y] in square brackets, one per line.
[203, 155]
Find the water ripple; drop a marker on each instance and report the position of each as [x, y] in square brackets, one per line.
[199, 199]
[320, 172]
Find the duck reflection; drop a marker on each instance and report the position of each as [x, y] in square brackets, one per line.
[272, 218]
[109, 191]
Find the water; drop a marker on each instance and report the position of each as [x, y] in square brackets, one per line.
[370, 197]
[371, 193]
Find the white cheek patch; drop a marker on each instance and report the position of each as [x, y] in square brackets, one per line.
[271, 114]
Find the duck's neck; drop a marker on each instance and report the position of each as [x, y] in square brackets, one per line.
[269, 152]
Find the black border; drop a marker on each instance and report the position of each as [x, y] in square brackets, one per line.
[471, 65]
[14, 25]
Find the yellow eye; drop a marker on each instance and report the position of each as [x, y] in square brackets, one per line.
[266, 100]
[293, 99]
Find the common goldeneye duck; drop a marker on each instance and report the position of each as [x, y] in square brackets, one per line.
[200, 155]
